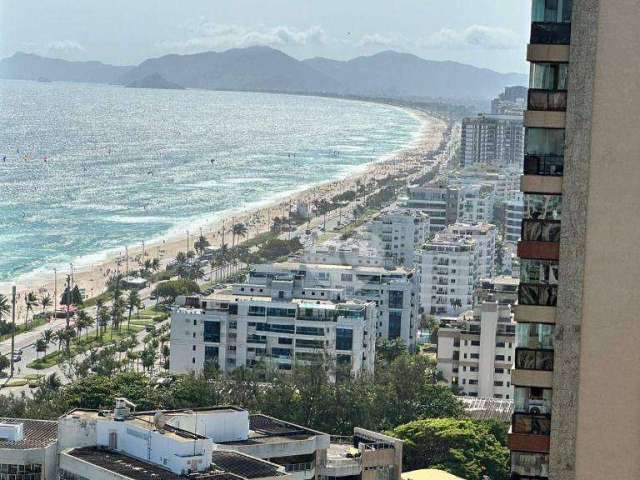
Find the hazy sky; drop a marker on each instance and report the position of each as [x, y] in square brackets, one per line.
[486, 33]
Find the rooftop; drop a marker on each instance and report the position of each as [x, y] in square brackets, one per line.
[37, 433]
[265, 429]
[244, 465]
[487, 408]
[429, 474]
[137, 469]
[363, 268]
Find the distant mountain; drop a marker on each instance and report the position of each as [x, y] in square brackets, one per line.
[386, 74]
[393, 74]
[253, 68]
[155, 80]
[28, 66]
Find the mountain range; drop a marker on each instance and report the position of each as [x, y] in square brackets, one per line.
[387, 74]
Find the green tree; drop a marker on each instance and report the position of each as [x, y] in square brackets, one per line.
[45, 302]
[389, 350]
[41, 345]
[201, 244]
[5, 307]
[462, 447]
[4, 363]
[170, 289]
[133, 301]
[238, 230]
[30, 301]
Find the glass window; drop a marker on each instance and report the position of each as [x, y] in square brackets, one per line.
[211, 331]
[549, 76]
[543, 272]
[396, 298]
[555, 11]
[544, 141]
[532, 400]
[534, 335]
[344, 339]
[395, 324]
[256, 311]
[545, 207]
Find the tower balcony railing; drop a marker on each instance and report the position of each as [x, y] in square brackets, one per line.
[550, 33]
[540, 230]
[531, 423]
[537, 294]
[547, 100]
[534, 359]
[544, 164]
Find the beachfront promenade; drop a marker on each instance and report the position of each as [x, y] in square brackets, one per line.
[414, 164]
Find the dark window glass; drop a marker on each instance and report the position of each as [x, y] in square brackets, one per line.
[344, 339]
[395, 325]
[211, 331]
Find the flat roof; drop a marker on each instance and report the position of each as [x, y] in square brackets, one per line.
[37, 433]
[304, 302]
[367, 268]
[244, 465]
[135, 469]
[265, 429]
[429, 474]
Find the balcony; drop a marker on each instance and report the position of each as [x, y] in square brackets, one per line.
[540, 230]
[531, 424]
[550, 33]
[547, 100]
[534, 359]
[549, 165]
[537, 294]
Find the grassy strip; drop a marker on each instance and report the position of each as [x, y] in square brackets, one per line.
[15, 382]
[91, 302]
[81, 345]
[26, 327]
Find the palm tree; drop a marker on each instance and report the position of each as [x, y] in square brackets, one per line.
[47, 335]
[238, 230]
[82, 322]
[41, 346]
[4, 306]
[201, 244]
[155, 264]
[31, 301]
[133, 301]
[102, 321]
[45, 301]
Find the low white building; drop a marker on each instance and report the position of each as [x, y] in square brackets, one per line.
[448, 269]
[28, 449]
[485, 236]
[513, 214]
[398, 232]
[253, 324]
[395, 290]
[211, 444]
[477, 349]
[475, 204]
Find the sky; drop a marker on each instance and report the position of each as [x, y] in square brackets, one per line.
[484, 33]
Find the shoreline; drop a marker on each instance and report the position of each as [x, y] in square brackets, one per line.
[92, 275]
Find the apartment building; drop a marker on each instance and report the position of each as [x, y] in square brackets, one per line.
[513, 215]
[475, 204]
[359, 250]
[398, 232]
[576, 383]
[492, 139]
[510, 102]
[210, 443]
[394, 290]
[28, 449]
[274, 325]
[438, 201]
[485, 236]
[448, 266]
[502, 179]
[476, 351]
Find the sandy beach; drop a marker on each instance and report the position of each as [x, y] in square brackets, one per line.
[92, 277]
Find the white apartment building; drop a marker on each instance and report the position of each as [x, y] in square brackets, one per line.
[500, 179]
[485, 236]
[475, 204]
[438, 201]
[448, 267]
[476, 351]
[28, 449]
[394, 290]
[209, 444]
[492, 139]
[398, 232]
[513, 214]
[353, 251]
[256, 323]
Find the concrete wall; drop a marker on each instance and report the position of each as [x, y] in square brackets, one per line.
[597, 386]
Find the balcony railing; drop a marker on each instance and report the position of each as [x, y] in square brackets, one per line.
[532, 424]
[550, 165]
[537, 294]
[550, 33]
[299, 467]
[541, 231]
[547, 100]
[533, 359]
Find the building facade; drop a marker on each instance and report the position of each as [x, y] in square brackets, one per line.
[492, 139]
[477, 349]
[438, 201]
[510, 102]
[259, 325]
[399, 232]
[448, 267]
[394, 290]
[513, 214]
[485, 236]
[475, 204]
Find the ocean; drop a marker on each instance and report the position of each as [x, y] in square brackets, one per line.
[92, 168]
